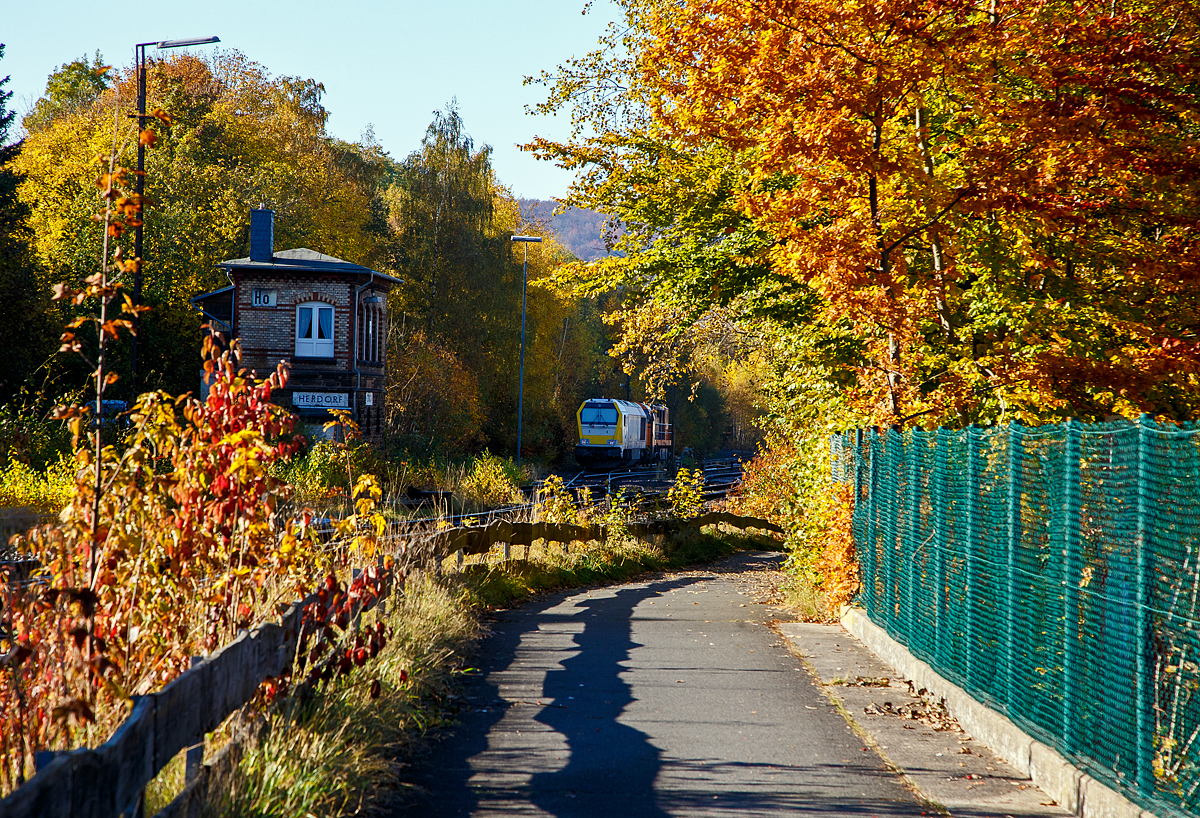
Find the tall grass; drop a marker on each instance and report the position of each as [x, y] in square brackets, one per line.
[328, 754]
[320, 477]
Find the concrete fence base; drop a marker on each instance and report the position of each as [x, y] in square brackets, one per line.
[1072, 788]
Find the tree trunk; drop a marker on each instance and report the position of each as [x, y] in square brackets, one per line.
[921, 120]
[885, 268]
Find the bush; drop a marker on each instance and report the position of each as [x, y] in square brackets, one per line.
[48, 490]
[26, 435]
[177, 551]
[788, 483]
[555, 504]
[493, 481]
[687, 494]
[315, 474]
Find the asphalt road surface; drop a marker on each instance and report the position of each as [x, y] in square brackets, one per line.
[669, 697]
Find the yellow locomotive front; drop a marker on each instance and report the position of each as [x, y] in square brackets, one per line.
[614, 433]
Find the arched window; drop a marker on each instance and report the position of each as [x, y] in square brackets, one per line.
[314, 330]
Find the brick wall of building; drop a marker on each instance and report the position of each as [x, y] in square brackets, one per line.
[268, 335]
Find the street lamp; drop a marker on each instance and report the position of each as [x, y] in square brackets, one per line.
[521, 379]
[139, 183]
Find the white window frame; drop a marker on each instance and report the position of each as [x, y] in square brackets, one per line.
[310, 345]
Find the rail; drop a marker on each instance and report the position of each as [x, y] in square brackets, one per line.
[720, 476]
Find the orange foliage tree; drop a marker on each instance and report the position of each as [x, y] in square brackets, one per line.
[997, 202]
[1001, 198]
[787, 484]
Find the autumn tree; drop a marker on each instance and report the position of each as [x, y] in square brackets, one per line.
[238, 138]
[1001, 200]
[460, 306]
[694, 302]
[438, 220]
[988, 211]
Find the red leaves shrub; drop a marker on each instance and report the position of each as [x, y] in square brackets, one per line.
[187, 548]
[332, 653]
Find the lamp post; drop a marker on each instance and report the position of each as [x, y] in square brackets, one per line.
[521, 377]
[139, 183]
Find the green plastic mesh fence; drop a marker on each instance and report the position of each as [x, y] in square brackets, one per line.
[1053, 573]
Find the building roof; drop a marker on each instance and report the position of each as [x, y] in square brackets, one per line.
[304, 260]
[213, 294]
[222, 301]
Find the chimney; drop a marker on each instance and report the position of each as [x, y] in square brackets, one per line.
[262, 234]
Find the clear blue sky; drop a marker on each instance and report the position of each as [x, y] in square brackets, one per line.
[389, 64]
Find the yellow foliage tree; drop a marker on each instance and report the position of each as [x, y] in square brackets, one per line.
[238, 138]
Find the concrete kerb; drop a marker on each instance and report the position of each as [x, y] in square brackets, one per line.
[1073, 789]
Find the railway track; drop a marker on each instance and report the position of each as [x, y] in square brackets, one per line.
[649, 483]
[721, 475]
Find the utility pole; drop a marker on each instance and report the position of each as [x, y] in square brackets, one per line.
[139, 187]
[521, 377]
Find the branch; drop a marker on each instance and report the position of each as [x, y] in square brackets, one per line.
[962, 194]
[900, 421]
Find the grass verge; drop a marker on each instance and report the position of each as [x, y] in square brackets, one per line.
[336, 752]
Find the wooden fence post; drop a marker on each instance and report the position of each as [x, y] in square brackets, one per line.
[381, 606]
[195, 754]
[355, 573]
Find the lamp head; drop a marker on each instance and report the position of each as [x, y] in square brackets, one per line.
[186, 42]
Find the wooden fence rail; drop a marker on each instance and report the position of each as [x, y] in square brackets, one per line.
[480, 539]
[102, 782]
[109, 779]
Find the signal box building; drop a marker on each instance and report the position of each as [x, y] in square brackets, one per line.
[326, 317]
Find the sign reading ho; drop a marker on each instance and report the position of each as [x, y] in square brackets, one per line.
[260, 297]
[321, 400]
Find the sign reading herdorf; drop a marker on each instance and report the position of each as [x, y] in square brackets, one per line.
[321, 400]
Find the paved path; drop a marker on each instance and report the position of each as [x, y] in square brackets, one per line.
[669, 697]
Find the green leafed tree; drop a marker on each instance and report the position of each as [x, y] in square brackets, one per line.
[74, 87]
[694, 300]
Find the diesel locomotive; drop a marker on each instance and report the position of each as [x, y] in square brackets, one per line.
[615, 433]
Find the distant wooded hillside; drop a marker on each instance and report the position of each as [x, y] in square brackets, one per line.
[580, 231]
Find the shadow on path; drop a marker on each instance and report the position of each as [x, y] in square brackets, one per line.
[612, 766]
[545, 729]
